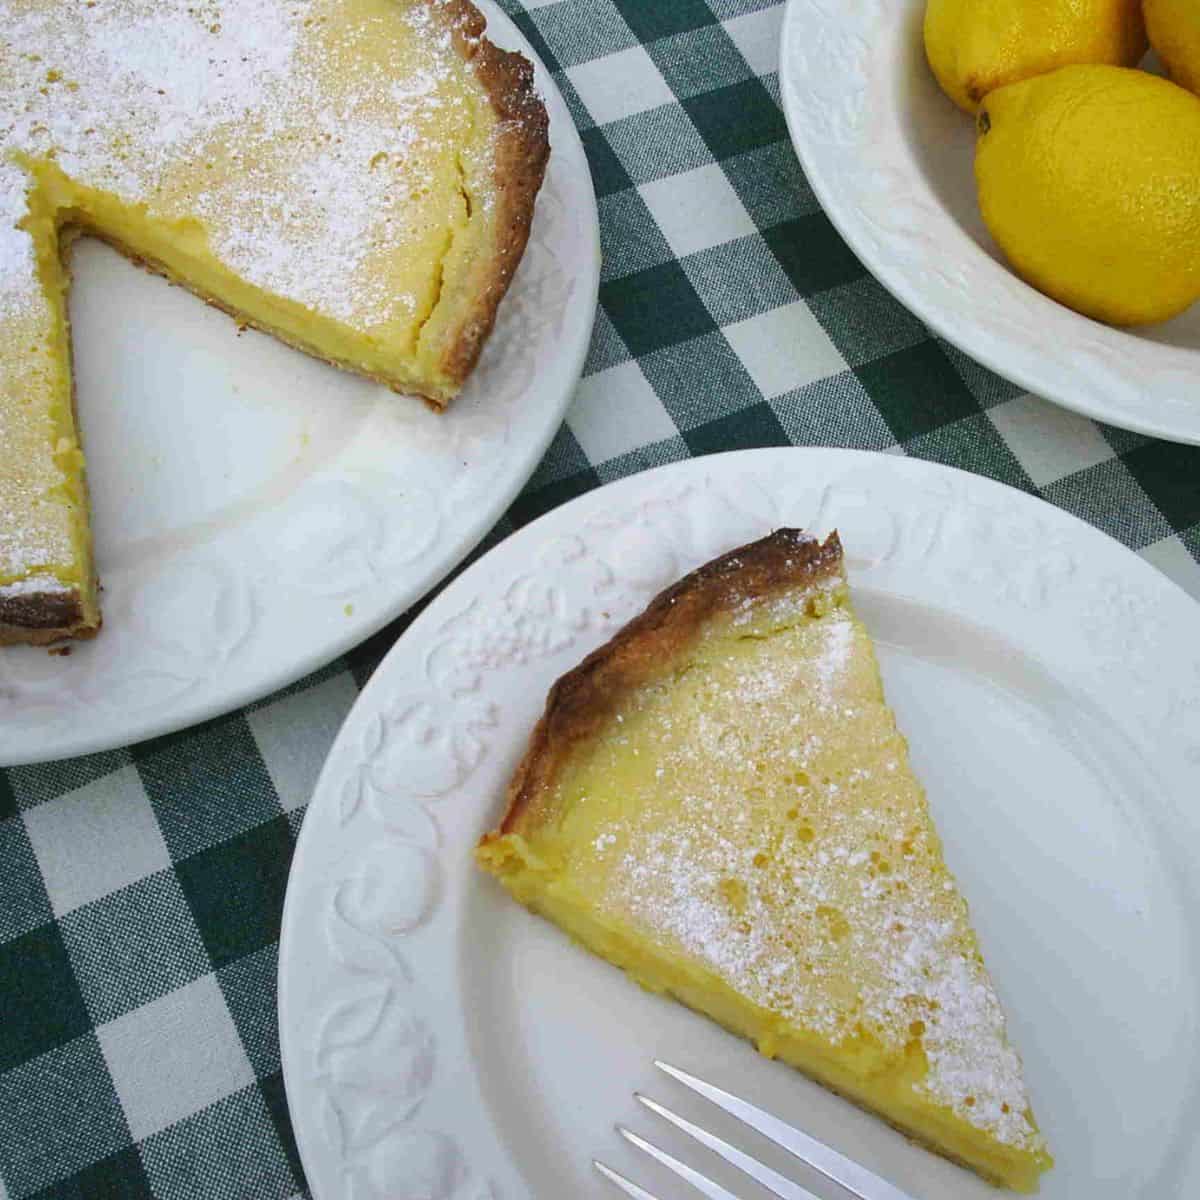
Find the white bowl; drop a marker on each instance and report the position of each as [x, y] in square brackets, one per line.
[892, 162]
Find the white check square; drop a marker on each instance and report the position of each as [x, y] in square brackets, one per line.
[96, 840]
[697, 209]
[616, 411]
[1049, 442]
[784, 349]
[757, 36]
[174, 1056]
[619, 85]
[295, 733]
[1175, 561]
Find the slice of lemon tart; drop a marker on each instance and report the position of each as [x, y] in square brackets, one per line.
[355, 176]
[719, 801]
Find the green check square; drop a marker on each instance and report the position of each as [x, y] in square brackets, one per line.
[1122, 440]
[864, 321]
[630, 240]
[295, 818]
[43, 1007]
[59, 1114]
[132, 946]
[644, 458]
[738, 279]
[735, 119]
[8, 798]
[608, 175]
[236, 889]
[1108, 496]
[655, 308]
[206, 784]
[526, 24]
[24, 904]
[366, 656]
[1170, 476]
[577, 31]
[248, 986]
[813, 254]
[606, 348]
[727, 9]
[275, 1098]
[972, 444]
[726, 384]
[771, 185]
[231, 1148]
[658, 143]
[988, 388]
[752, 427]
[35, 784]
[118, 1177]
[835, 411]
[652, 21]
[917, 390]
[699, 61]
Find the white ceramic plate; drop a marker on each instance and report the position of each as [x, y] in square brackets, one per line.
[440, 1042]
[256, 512]
[892, 162]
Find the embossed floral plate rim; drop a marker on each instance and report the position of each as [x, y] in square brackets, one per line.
[845, 77]
[382, 1022]
[208, 622]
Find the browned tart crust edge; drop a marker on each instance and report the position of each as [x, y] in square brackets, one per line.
[649, 644]
[41, 618]
[522, 151]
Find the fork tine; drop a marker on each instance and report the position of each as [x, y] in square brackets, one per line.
[775, 1183]
[860, 1182]
[701, 1183]
[626, 1185]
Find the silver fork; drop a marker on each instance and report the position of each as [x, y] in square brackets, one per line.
[857, 1180]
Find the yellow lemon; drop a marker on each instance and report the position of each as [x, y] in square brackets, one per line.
[975, 46]
[1089, 180]
[1174, 28]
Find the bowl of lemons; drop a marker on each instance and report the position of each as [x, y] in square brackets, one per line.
[1024, 175]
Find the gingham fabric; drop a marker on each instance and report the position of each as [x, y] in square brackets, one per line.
[140, 891]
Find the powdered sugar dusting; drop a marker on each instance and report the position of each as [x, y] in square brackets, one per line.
[18, 280]
[782, 842]
[140, 99]
[34, 585]
[302, 142]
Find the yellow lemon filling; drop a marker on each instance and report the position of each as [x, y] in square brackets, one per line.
[743, 831]
[345, 174]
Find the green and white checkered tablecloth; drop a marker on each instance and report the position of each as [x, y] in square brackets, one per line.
[140, 890]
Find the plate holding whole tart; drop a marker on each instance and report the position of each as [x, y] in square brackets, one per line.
[666, 706]
[365, 180]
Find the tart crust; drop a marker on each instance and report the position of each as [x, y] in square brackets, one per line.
[579, 703]
[42, 618]
[521, 151]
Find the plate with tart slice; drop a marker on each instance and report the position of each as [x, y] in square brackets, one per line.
[392, 188]
[887, 768]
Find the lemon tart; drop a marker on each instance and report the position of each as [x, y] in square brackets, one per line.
[355, 176]
[719, 802]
